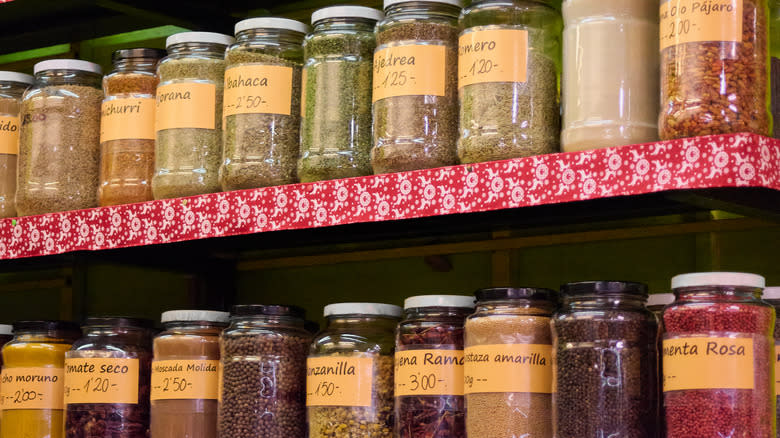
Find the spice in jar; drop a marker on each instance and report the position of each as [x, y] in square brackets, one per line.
[772, 296]
[185, 374]
[349, 376]
[714, 70]
[12, 87]
[263, 104]
[59, 146]
[263, 354]
[429, 367]
[415, 86]
[127, 127]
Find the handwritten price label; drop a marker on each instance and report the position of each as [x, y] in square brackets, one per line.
[486, 55]
[508, 368]
[429, 372]
[688, 21]
[409, 70]
[31, 388]
[185, 379]
[339, 381]
[9, 135]
[258, 89]
[101, 381]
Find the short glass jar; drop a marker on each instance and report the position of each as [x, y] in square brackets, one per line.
[127, 127]
[107, 379]
[415, 86]
[772, 296]
[718, 357]
[12, 87]
[263, 354]
[185, 374]
[59, 141]
[263, 104]
[189, 120]
[349, 378]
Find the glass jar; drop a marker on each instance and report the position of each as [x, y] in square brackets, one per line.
[59, 141]
[718, 357]
[32, 382]
[508, 70]
[12, 87]
[127, 127]
[185, 374]
[715, 70]
[336, 127]
[107, 379]
[263, 355]
[615, 105]
[604, 362]
[429, 367]
[772, 296]
[513, 325]
[188, 120]
[349, 377]
[415, 92]
[263, 104]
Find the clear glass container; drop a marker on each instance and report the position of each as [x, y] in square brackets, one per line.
[350, 372]
[59, 143]
[604, 343]
[263, 104]
[509, 67]
[127, 127]
[263, 355]
[415, 104]
[189, 119]
[772, 296]
[12, 87]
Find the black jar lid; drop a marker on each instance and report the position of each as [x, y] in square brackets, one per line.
[138, 54]
[119, 321]
[515, 293]
[267, 310]
[70, 328]
[604, 288]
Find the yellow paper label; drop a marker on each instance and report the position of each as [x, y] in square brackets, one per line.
[31, 388]
[9, 135]
[429, 372]
[409, 70]
[127, 118]
[303, 92]
[101, 381]
[688, 21]
[492, 55]
[186, 105]
[508, 368]
[258, 89]
[185, 379]
[220, 382]
[707, 363]
[339, 381]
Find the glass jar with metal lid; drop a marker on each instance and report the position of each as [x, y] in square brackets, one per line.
[349, 377]
[12, 87]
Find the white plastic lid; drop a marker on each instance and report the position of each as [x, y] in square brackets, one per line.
[67, 64]
[271, 23]
[363, 309]
[718, 279]
[772, 293]
[6, 329]
[199, 37]
[457, 3]
[464, 301]
[12, 76]
[660, 299]
[195, 315]
[347, 12]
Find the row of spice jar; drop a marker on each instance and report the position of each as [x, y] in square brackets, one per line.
[523, 363]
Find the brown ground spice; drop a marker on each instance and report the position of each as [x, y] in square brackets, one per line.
[8, 106]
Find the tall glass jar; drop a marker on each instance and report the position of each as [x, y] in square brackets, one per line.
[107, 379]
[604, 362]
[610, 63]
[415, 86]
[429, 367]
[185, 374]
[336, 127]
[715, 70]
[127, 127]
[189, 115]
[59, 143]
[263, 355]
[32, 379]
[12, 87]
[718, 346]
[772, 296]
[349, 377]
[263, 104]
[508, 69]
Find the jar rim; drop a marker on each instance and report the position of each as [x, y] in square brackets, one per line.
[598, 287]
[199, 37]
[137, 53]
[285, 310]
[346, 12]
[195, 316]
[67, 64]
[271, 23]
[367, 309]
[389, 3]
[47, 325]
[119, 321]
[456, 301]
[12, 76]
[660, 299]
[732, 279]
[515, 293]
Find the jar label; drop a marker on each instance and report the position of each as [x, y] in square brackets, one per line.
[508, 368]
[258, 89]
[127, 118]
[99, 380]
[9, 135]
[185, 379]
[492, 55]
[31, 388]
[708, 363]
[339, 381]
[186, 105]
[689, 21]
[429, 372]
[409, 70]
